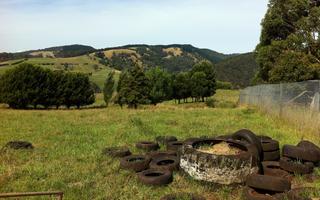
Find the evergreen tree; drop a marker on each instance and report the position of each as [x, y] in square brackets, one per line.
[160, 85]
[199, 85]
[181, 86]
[133, 88]
[207, 79]
[108, 87]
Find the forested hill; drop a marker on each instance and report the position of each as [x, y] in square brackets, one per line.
[238, 70]
[235, 68]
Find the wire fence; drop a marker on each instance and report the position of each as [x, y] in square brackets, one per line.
[298, 102]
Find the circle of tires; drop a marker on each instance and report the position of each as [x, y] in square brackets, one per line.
[252, 194]
[155, 177]
[147, 146]
[272, 168]
[136, 163]
[268, 183]
[116, 152]
[174, 146]
[165, 139]
[251, 138]
[294, 166]
[170, 163]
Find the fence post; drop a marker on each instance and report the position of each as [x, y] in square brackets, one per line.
[280, 100]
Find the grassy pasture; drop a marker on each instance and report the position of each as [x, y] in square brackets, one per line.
[85, 64]
[68, 145]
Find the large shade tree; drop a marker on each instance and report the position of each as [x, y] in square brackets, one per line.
[289, 48]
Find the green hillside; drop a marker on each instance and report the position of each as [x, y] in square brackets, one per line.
[85, 64]
[235, 68]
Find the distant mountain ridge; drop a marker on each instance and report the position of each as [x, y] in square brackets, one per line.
[238, 69]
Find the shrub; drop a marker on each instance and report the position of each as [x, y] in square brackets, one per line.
[211, 102]
[28, 85]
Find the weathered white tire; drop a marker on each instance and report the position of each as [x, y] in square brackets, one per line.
[221, 169]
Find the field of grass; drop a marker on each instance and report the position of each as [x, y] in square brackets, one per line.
[85, 64]
[68, 144]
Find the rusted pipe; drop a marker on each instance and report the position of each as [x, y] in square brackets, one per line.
[26, 194]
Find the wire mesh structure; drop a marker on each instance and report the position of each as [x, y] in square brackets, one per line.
[298, 102]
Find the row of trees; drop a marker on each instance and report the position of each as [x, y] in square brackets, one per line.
[135, 86]
[289, 44]
[29, 85]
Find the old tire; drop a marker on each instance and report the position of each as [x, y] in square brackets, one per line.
[268, 183]
[263, 137]
[180, 196]
[19, 145]
[155, 177]
[271, 155]
[251, 138]
[309, 145]
[135, 163]
[165, 139]
[291, 165]
[300, 153]
[116, 152]
[269, 145]
[174, 146]
[222, 169]
[272, 168]
[170, 163]
[252, 194]
[155, 154]
[147, 146]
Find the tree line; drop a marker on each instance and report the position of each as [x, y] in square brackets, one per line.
[137, 86]
[28, 85]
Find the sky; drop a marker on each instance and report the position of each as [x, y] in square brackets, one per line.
[226, 26]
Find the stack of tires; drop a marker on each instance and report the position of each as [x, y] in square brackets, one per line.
[300, 159]
[270, 148]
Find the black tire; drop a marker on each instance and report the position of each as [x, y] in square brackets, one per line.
[293, 166]
[135, 163]
[116, 152]
[155, 177]
[180, 196]
[165, 139]
[272, 168]
[165, 163]
[174, 146]
[252, 194]
[269, 145]
[223, 137]
[309, 145]
[271, 156]
[251, 138]
[268, 183]
[190, 141]
[19, 145]
[264, 137]
[155, 154]
[300, 153]
[147, 146]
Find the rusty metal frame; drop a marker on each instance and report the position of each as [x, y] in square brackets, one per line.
[59, 194]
